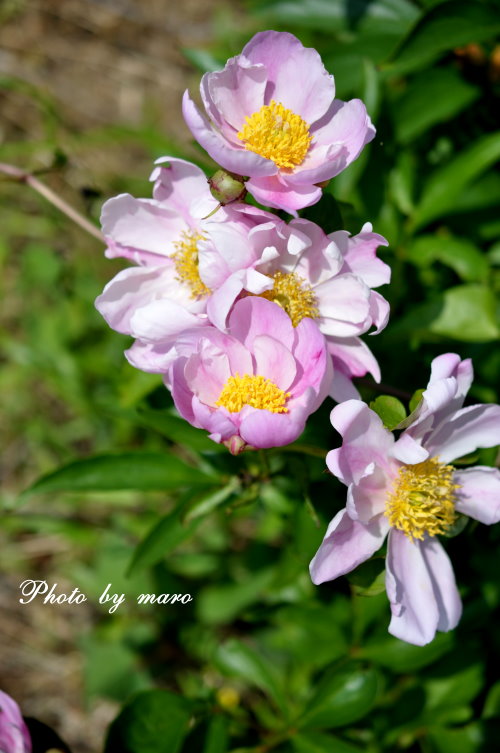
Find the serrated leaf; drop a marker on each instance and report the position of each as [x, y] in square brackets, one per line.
[130, 470]
[389, 409]
[155, 721]
[342, 697]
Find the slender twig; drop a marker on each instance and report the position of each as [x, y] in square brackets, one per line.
[386, 389]
[16, 173]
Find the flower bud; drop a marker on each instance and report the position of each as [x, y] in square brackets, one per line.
[227, 187]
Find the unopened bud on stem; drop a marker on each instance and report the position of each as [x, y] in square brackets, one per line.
[227, 187]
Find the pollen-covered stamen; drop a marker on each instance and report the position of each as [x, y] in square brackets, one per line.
[423, 499]
[294, 295]
[278, 134]
[186, 264]
[256, 391]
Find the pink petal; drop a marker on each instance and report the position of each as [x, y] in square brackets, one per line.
[367, 443]
[237, 91]
[273, 361]
[296, 74]
[345, 129]
[464, 431]
[415, 613]
[310, 352]
[162, 319]
[479, 493]
[421, 588]
[409, 451]
[346, 545]
[379, 312]
[276, 191]
[206, 372]
[361, 257]
[344, 306]
[352, 356]
[254, 316]
[129, 290]
[154, 358]
[182, 186]
[263, 429]
[240, 161]
[14, 735]
[342, 388]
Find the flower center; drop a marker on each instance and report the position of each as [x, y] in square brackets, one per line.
[186, 264]
[422, 500]
[294, 295]
[256, 391]
[277, 134]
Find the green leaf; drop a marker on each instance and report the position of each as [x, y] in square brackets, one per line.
[468, 739]
[217, 738]
[178, 430]
[155, 721]
[318, 742]
[202, 59]
[446, 184]
[163, 538]
[374, 18]
[342, 697]
[404, 657]
[325, 213]
[444, 27]
[457, 687]
[491, 708]
[205, 503]
[415, 400]
[389, 409]
[468, 313]
[130, 470]
[459, 254]
[219, 604]
[237, 659]
[369, 578]
[431, 99]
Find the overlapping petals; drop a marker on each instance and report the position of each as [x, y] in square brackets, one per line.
[371, 463]
[326, 277]
[14, 735]
[157, 299]
[262, 343]
[274, 69]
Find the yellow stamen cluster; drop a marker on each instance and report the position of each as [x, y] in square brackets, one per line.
[186, 264]
[422, 499]
[278, 134]
[294, 295]
[256, 391]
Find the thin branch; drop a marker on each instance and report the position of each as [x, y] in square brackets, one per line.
[16, 173]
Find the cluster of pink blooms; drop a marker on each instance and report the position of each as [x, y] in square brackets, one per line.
[253, 321]
[14, 735]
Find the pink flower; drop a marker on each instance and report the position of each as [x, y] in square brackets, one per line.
[406, 488]
[255, 385]
[164, 294]
[274, 117]
[309, 274]
[14, 735]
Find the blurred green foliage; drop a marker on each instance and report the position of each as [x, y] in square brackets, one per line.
[261, 660]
